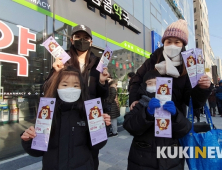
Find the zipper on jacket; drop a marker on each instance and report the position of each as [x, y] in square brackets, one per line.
[72, 141]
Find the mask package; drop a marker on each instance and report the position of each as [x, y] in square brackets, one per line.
[43, 123]
[55, 49]
[104, 61]
[163, 125]
[194, 63]
[97, 127]
[189, 59]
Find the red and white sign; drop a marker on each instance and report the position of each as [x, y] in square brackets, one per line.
[24, 47]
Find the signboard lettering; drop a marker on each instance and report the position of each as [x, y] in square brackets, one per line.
[114, 11]
[24, 46]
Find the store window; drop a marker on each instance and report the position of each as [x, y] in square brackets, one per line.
[123, 62]
[21, 92]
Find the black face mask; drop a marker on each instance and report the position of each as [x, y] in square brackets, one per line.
[81, 45]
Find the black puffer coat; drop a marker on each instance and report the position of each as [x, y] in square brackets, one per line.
[69, 144]
[181, 86]
[95, 89]
[114, 111]
[143, 151]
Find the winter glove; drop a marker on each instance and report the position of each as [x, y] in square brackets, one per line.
[153, 103]
[170, 107]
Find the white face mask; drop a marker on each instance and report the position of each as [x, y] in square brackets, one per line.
[69, 94]
[172, 50]
[151, 89]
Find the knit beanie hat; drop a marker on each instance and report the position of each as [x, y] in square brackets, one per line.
[151, 75]
[177, 29]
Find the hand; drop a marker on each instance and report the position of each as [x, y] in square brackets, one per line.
[204, 82]
[170, 107]
[133, 104]
[153, 104]
[29, 134]
[58, 65]
[107, 119]
[104, 75]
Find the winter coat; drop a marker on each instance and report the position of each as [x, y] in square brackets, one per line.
[114, 111]
[181, 86]
[69, 145]
[212, 98]
[219, 93]
[143, 151]
[95, 89]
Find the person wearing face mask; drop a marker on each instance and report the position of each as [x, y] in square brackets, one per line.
[86, 62]
[140, 122]
[168, 61]
[69, 143]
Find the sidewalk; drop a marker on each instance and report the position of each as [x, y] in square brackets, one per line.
[112, 157]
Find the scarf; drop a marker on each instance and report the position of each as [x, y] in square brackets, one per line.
[167, 67]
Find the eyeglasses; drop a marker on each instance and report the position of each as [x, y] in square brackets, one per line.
[78, 37]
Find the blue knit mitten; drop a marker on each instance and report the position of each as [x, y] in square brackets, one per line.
[170, 107]
[153, 103]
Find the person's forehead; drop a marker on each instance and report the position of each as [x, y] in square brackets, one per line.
[71, 78]
[151, 80]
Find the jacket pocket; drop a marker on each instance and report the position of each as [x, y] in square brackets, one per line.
[143, 154]
[142, 145]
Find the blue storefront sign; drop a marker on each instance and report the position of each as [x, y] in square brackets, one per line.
[156, 41]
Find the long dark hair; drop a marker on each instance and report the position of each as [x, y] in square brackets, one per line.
[74, 59]
[56, 78]
[182, 68]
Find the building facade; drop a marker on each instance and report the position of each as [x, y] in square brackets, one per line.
[125, 26]
[202, 32]
[218, 63]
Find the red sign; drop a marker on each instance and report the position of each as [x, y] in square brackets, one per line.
[24, 46]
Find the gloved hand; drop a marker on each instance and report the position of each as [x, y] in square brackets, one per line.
[170, 107]
[153, 103]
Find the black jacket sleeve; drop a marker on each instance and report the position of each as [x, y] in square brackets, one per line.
[102, 90]
[32, 152]
[96, 89]
[180, 125]
[137, 80]
[137, 121]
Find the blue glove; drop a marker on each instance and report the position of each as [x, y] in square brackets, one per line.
[153, 103]
[170, 107]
